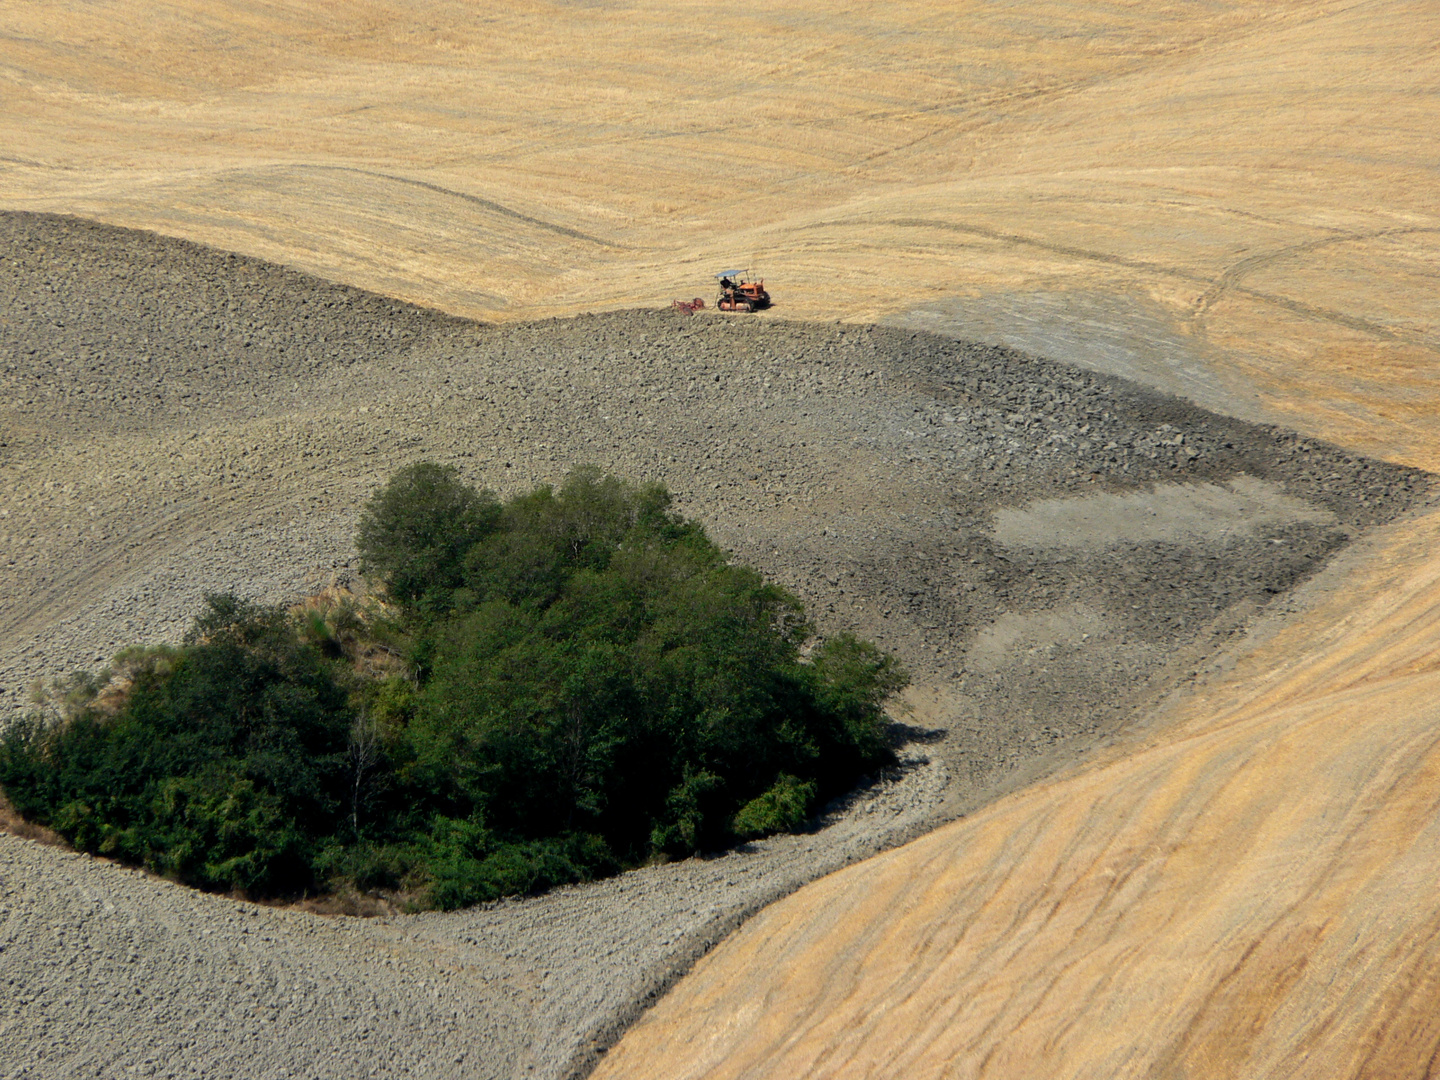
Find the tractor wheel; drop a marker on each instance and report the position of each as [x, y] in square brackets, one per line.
[747, 306]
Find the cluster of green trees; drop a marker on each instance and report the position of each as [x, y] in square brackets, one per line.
[578, 680]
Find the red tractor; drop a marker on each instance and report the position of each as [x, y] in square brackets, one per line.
[738, 294]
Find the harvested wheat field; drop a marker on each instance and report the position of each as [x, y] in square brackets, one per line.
[1100, 387]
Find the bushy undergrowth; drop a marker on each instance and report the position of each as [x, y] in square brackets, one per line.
[565, 683]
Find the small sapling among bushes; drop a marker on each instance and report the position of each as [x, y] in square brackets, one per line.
[563, 684]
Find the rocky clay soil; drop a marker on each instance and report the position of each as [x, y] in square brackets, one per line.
[1048, 549]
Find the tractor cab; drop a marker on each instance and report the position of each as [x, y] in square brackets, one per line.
[738, 293]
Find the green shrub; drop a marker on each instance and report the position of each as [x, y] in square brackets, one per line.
[461, 863]
[223, 768]
[588, 683]
[784, 808]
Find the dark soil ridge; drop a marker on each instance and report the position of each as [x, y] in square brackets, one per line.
[176, 420]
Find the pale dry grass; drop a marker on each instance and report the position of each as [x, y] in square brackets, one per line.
[12, 823]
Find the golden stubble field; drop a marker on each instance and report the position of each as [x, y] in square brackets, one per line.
[1248, 189]
[1236, 201]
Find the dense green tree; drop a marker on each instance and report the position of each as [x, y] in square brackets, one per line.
[606, 669]
[414, 533]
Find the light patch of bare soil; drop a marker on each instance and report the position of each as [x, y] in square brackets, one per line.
[1242, 506]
